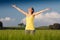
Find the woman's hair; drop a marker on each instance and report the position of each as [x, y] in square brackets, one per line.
[33, 10]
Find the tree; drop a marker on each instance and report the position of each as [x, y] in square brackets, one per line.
[55, 26]
[21, 25]
[51, 26]
[1, 25]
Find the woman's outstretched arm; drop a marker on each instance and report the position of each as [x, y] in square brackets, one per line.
[41, 11]
[20, 10]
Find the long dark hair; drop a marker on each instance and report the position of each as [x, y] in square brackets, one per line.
[33, 10]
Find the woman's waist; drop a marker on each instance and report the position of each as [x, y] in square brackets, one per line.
[29, 24]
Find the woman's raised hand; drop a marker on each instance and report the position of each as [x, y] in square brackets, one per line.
[13, 5]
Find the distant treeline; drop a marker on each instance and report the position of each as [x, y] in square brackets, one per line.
[18, 28]
[21, 26]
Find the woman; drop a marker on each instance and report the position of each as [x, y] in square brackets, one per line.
[30, 18]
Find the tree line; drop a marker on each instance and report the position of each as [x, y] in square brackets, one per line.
[55, 26]
[22, 26]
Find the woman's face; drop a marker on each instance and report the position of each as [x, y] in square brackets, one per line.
[30, 10]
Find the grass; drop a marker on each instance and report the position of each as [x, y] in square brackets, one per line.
[20, 35]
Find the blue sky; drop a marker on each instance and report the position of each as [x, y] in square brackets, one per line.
[11, 17]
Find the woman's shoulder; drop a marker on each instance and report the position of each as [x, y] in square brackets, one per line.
[29, 15]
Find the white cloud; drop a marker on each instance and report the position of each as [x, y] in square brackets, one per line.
[23, 21]
[52, 15]
[45, 19]
[7, 19]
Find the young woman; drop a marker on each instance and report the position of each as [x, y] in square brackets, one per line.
[30, 18]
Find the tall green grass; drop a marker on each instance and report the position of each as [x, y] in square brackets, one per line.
[20, 35]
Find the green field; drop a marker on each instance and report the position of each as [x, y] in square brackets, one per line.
[20, 35]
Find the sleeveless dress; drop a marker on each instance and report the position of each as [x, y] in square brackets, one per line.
[30, 23]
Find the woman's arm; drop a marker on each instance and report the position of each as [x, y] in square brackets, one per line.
[20, 10]
[41, 11]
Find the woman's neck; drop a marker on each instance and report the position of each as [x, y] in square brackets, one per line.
[30, 13]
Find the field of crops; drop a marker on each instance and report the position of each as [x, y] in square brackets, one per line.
[20, 35]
